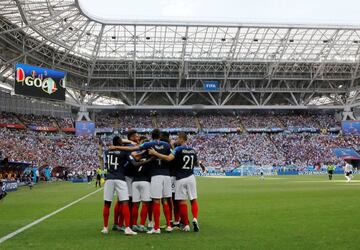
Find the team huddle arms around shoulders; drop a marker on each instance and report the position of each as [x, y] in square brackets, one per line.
[150, 173]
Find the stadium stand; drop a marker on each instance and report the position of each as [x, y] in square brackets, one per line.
[168, 120]
[218, 120]
[220, 150]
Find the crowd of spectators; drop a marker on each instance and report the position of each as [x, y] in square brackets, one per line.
[176, 121]
[309, 149]
[37, 120]
[9, 118]
[135, 120]
[218, 121]
[232, 150]
[288, 120]
[298, 120]
[123, 120]
[259, 120]
[40, 149]
[142, 119]
[66, 122]
[327, 121]
[216, 150]
[105, 120]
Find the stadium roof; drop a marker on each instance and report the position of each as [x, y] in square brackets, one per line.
[222, 11]
[158, 62]
[66, 25]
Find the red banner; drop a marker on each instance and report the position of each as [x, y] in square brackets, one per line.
[45, 129]
[12, 125]
[72, 130]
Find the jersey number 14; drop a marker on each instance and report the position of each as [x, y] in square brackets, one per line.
[112, 162]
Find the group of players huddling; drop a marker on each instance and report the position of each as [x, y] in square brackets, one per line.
[150, 172]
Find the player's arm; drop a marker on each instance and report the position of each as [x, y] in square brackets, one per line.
[142, 148]
[138, 155]
[123, 148]
[169, 157]
[140, 163]
[126, 141]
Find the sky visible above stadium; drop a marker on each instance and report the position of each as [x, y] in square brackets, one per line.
[228, 11]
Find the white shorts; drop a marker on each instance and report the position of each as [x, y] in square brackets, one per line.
[129, 184]
[160, 187]
[173, 181]
[141, 191]
[118, 186]
[185, 189]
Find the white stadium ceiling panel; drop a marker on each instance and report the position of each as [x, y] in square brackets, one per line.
[64, 24]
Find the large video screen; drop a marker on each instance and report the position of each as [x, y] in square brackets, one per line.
[351, 127]
[84, 128]
[39, 82]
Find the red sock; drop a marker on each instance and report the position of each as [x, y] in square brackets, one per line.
[130, 209]
[134, 213]
[156, 212]
[150, 213]
[184, 213]
[116, 212]
[126, 213]
[167, 212]
[143, 214]
[106, 212]
[170, 202]
[121, 216]
[176, 211]
[194, 209]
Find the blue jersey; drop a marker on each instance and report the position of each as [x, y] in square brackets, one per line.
[158, 166]
[129, 168]
[142, 173]
[115, 164]
[184, 162]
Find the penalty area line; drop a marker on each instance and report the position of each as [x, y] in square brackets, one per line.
[22, 229]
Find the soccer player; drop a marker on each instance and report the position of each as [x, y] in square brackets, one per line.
[150, 226]
[115, 163]
[98, 177]
[261, 169]
[330, 170]
[160, 186]
[29, 182]
[185, 158]
[165, 136]
[133, 140]
[348, 171]
[141, 193]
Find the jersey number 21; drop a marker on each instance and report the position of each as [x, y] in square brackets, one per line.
[189, 162]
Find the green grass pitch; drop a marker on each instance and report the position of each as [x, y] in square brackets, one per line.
[296, 212]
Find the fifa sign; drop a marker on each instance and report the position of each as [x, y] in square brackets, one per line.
[40, 82]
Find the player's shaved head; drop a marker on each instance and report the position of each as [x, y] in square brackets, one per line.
[117, 141]
[155, 134]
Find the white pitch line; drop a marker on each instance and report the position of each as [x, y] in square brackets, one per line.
[9, 236]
